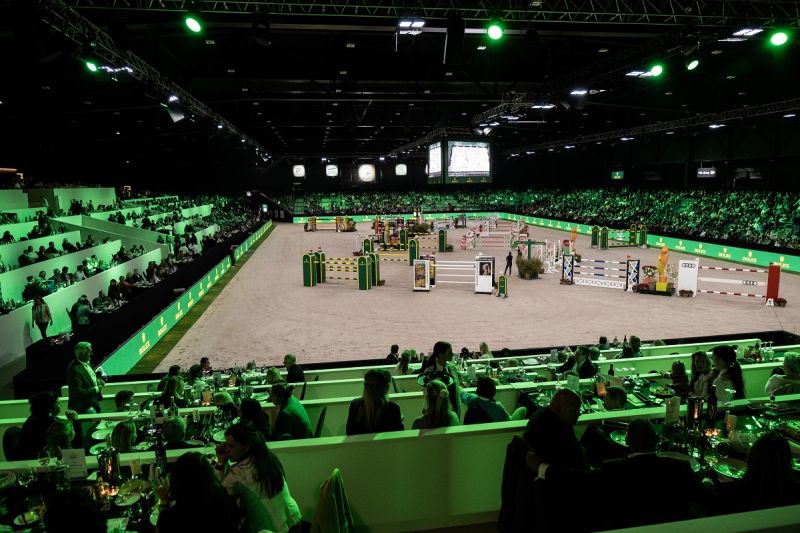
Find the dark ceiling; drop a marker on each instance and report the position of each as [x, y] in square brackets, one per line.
[347, 84]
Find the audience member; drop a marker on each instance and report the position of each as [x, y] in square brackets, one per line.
[403, 365]
[440, 366]
[205, 363]
[702, 375]
[123, 436]
[85, 388]
[294, 372]
[174, 433]
[438, 412]
[250, 410]
[273, 375]
[254, 475]
[224, 402]
[291, 421]
[680, 381]
[44, 408]
[392, 357]
[172, 371]
[615, 399]
[728, 382]
[482, 407]
[123, 401]
[579, 363]
[789, 382]
[40, 313]
[373, 412]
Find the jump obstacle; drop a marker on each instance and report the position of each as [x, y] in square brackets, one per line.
[340, 224]
[366, 269]
[611, 277]
[479, 273]
[689, 278]
[637, 236]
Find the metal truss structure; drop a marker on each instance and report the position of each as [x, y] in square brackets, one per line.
[65, 20]
[436, 135]
[646, 12]
[700, 120]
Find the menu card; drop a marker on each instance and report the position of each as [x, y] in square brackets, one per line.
[76, 460]
[673, 406]
[573, 382]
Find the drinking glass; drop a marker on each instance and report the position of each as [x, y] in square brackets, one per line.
[26, 476]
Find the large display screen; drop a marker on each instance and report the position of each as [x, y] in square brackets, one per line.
[435, 163]
[468, 162]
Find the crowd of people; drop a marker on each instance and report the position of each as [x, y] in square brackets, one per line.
[767, 218]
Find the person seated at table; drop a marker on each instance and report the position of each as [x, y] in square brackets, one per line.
[224, 402]
[60, 436]
[31, 256]
[254, 475]
[702, 375]
[680, 381]
[615, 399]
[768, 482]
[114, 293]
[68, 247]
[636, 346]
[602, 343]
[183, 251]
[127, 288]
[30, 290]
[580, 363]
[190, 488]
[173, 371]
[729, 382]
[194, 374]
[174, 433]
[438, 412]
[252, 411]
[789, 382]
[7, 238]
[80, 273]
[101, 301]
[122, 401]
[482, 407]
[403, 367]
[56, 277]
[82, 309]
[51, 250]
[73, 510]
[440, 366]
[123, 436]
[67, 276]
[173, 393]
[273, 375]
[44, 408]
[205, 363]
[373, 412]
[291, 420]
[136, 277]
[294, 372]
[393, 355]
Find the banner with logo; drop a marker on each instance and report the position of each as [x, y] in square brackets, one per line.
[132, 351]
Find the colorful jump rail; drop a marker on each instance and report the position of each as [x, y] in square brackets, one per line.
[124, 358]
[789, 263]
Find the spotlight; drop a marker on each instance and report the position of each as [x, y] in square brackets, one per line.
[692, 63]
[192, 19]
[779, 38]
[495, 31]
[91, 66]
[656, 70]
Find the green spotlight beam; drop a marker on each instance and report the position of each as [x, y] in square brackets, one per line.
[495, 31]
[193, 23]
[779, 38]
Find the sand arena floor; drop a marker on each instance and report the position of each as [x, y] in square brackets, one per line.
[265, 312]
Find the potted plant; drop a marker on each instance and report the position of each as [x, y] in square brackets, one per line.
[529, 269]
[420, 228]
[448, 248]
[780, 302]
[649, 272]
[686, 293]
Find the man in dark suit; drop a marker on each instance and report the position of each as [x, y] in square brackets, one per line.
[670, 482]
[550, 434]
[85, 388]
[294, 372]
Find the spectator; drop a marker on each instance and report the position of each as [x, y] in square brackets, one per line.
[44, 408]
[123, 436]
[701, 375]
[173, 371]
[789, 382]
[114, 293]
[40, 313]
[438, 412]
[636, 347]
[615, 399]
[579, 363]
[194, 375]
[251, 472]
[392, 357]
[728, 382]
[85, 388]
[373, 412]
[205, 363]
[602, 343]
[173, 393]
[101, 301]
[680, 381]
[174, 433]
[273, 375]
[482, 407]
[403, 366]
[251, 411]
[294, 372]
[122, 401]
[440, 366]
[291, 421]
[224, 402]
[192, 486]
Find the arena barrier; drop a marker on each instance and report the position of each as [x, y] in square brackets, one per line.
[625, 278]
[480, 241]
[364, 269]
[689, 278]
[478, 272]
[436, 242]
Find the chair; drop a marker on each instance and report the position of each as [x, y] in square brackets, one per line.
[394, 385]
[333, 510]
[303, 391]
[320, 422]
[10, 443]
[476, 415]
[72, 320]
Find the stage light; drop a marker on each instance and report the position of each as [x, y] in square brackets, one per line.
[193, 21]
[779, 38]
[692, 64]
[91, 66]
[579, 92]
[656, 70]
[495, 31]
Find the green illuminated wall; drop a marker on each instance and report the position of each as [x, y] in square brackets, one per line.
[790, 263]
[132, 351]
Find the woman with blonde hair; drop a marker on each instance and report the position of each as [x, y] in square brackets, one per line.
[373, 412]
[403, 365]
[437, 412]
[123, 437]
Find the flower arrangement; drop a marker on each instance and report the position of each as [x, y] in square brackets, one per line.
[780, 302]
[672, 273]
[649, 271]
[686, 293]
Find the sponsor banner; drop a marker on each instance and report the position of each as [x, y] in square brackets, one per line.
[132, 351]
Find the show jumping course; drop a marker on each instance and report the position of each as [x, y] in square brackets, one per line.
[267, 312]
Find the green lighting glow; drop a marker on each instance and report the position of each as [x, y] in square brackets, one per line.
[193, 23]
[656, 70]
[91, 66]
[495, 31]
[779, 38]
[692, 64]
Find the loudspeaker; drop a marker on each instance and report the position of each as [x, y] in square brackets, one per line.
[454, 41]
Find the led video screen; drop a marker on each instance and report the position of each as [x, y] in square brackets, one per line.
[468, 162]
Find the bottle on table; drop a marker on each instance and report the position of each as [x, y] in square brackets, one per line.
[161, 455]
[713, 406]
[611, 370]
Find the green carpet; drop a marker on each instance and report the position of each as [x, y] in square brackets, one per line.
[168, 341]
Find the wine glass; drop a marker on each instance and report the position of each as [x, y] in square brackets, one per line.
[26, 476]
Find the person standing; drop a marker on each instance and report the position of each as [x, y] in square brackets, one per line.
[41, 315]
[509, 262]
[85, 389]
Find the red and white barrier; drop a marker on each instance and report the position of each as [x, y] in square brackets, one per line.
[689, 279]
